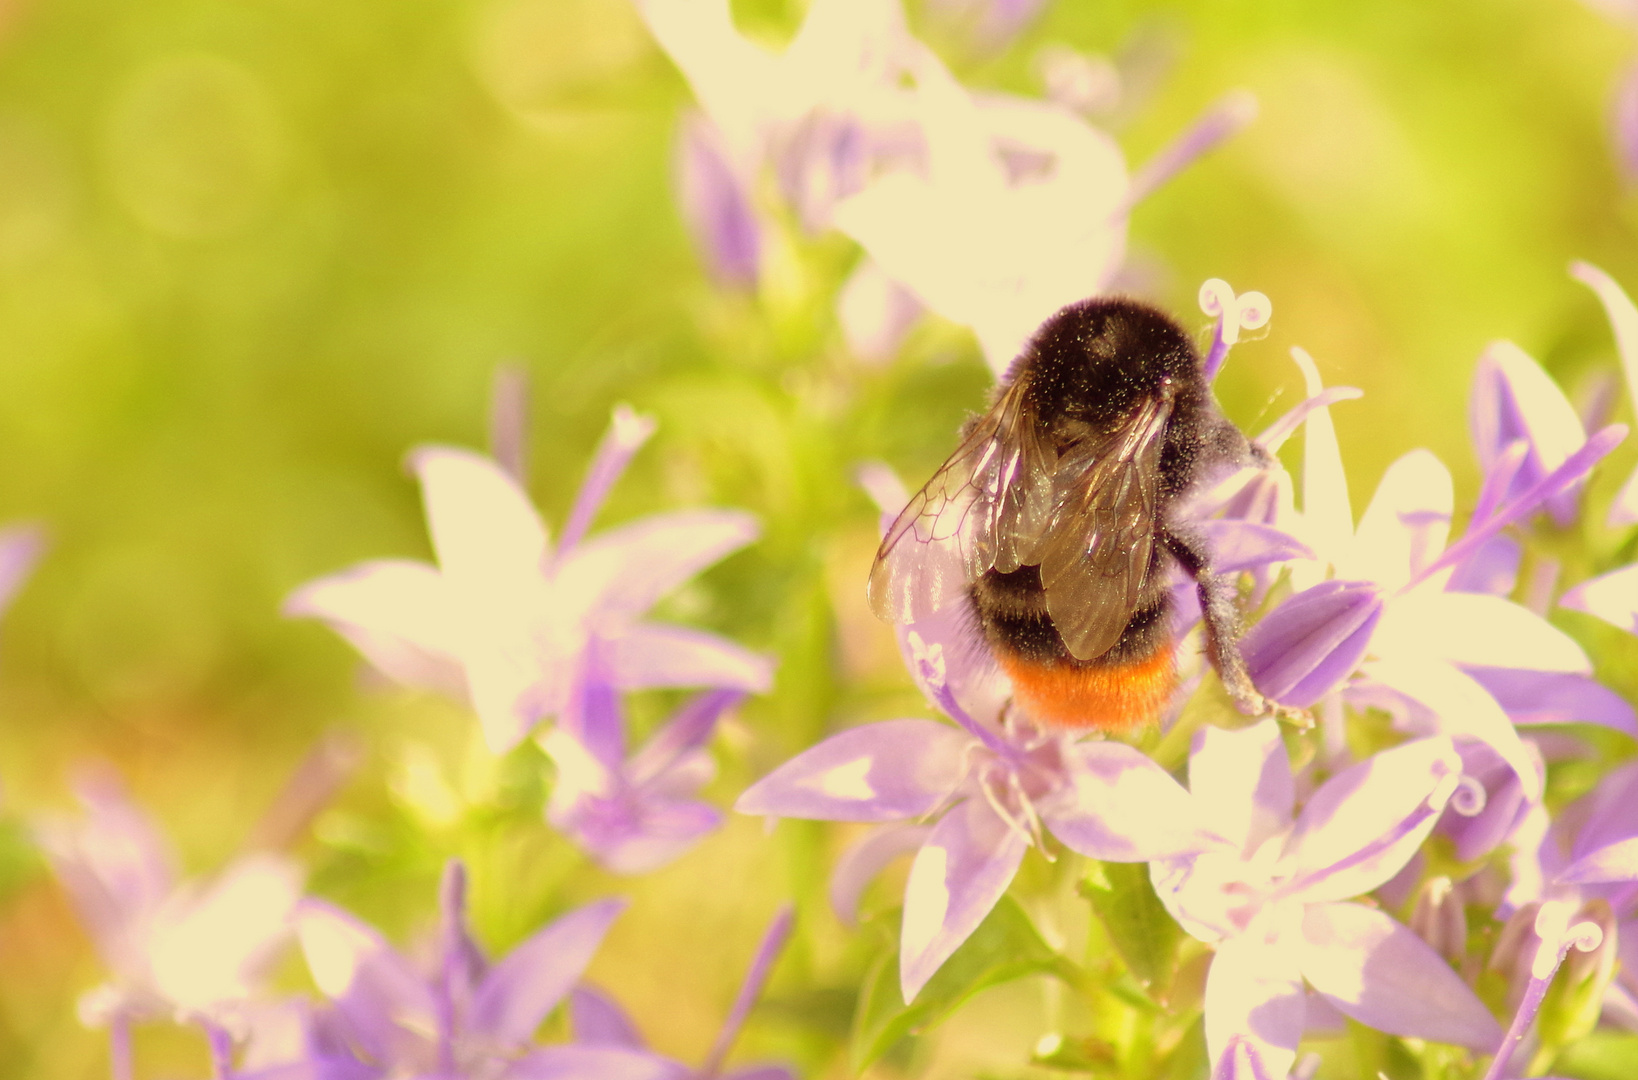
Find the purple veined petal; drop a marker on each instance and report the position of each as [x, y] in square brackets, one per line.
[969, 673]
[521, 989]
[1254, 995]
[1242, 782]
[1407, 523]
[716, 203]
[1238, 545]
[689, 729]
[598, 1020]
[1493, 568]
[621, 572]
[1313, 641]
[1383, 975]
[628, 431]
[1460, 706]
[486, 532]
[1612, 597]
[1117, 804]
[1472, 628]
[1513, 398]
[876, 313]
[20, 548]
[576, 1061]
[1613, 862]
[1363, 824]
[651, 655]
[1542, 697]
[397, 613]
[1325, 508]
[860, 863]
[1274, 435]
[384, 1003]
[959, 874]
[877, 772]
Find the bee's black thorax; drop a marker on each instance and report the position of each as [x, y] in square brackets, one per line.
[1089, 368]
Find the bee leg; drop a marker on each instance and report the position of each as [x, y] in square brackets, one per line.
[1222, 621]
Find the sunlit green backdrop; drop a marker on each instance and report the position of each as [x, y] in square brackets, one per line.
[252, 251]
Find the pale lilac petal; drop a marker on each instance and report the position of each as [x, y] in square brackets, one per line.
[1623, 318]
[521, 989]
[1609, 812]
[768, 950]
[1121, 806]
[959, 874]
[858, 866]
[397, 613]
[1312, 642]
[878, 772]
[651, 655]
[597, 1019]
[1225, 117]
[1254, 992]
[642, 835]
[1242, 1061]
[1612, 597]
[1472, 628]
[1363, 824]
[1504, 810]
[1383, 975]
[1541, 697]
[385, 1003]
[1327, 518]
[1459, 706]
[716, 203]
[1614, 862]
[1407, 523]
[1274, 435]
[689, 729]
[628, 431]
[1493, 568]
[621, 572]
[574, 1061]
[1242, 782]
[20, 548]
[876, 313]
[486, 532]
[1513, 398]
[1238, 545]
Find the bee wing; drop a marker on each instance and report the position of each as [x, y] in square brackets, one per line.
[987, 507]
[1096, 552]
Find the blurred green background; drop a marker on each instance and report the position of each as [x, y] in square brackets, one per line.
[252, 251]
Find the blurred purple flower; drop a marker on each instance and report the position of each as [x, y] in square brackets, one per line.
[507, 622]
[992, 24]
[1513, 399]
[462, 1019]
[20, 548]
[994, 785]
[189, 951]
[716, 203]
[602, 1027]
[1274, 902]
[1623, 318]
[633, 814]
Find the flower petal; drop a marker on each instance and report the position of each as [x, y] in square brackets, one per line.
[383, 1001]
[959, 874]
[1513, 398]
[1242, 782]
[860, 863]
[646, 656]
[1328, 520]
[597, 1019]
[20, 548]
[1307, 646]
[486, 532]
[1383, 975]
[397, 613]
[1407, 523]
[877, 772]
[1363, 824]
[1472, 628]
[1612, 597]
[518, 992]
[576, 1061]
[620, 573]
[1244, 545]
[1546, 697]
[1254, 994]
[212, 947]
[1493, 568]
[1623, 318]
[1613, 862]
[1119, 805]
[715, 204]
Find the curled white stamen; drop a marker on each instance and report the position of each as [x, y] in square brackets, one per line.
[1247, 311]
[1469, 797]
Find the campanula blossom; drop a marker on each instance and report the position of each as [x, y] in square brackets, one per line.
[1623, 318]
[1276, 901]
[990, 786]
[195, 951]
[463, 1017]
[508, 621]
[602, 1027]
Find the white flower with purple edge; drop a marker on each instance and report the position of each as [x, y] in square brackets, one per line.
[1275, 901]
[507, 622]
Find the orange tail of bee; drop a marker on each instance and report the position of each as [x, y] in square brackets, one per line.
[1108, 698]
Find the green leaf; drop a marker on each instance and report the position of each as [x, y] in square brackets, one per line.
[1141, 929]
[1006, 946]
[1601, 1055]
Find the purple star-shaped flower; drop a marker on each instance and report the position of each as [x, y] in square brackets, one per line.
[507, 621]
[1275, 902]
[465, 1018]
[993, 785]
